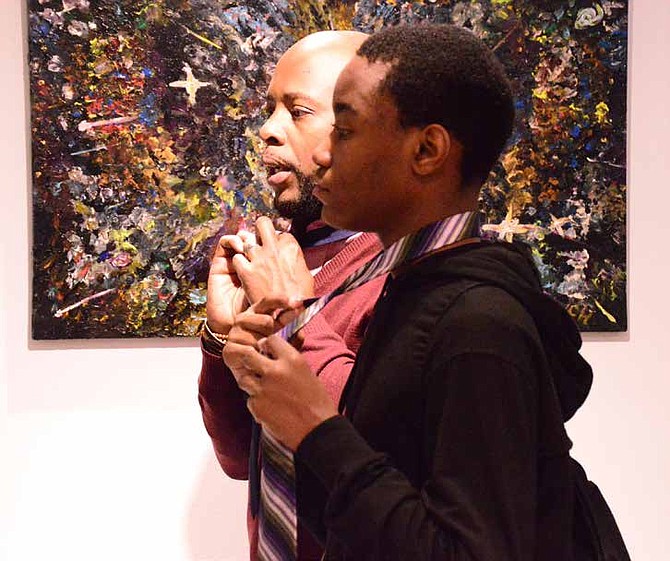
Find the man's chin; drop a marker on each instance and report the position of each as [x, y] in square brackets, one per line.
[304, 209]
[297, 202]
[332, 219]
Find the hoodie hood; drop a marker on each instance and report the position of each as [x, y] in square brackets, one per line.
[510, 267]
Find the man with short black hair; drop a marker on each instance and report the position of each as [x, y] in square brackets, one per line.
[449, 442]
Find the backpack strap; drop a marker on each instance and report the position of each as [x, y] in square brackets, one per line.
[597, 536]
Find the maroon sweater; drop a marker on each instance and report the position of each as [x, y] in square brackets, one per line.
[331, 341]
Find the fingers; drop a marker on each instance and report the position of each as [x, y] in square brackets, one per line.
[284, 317]
[229, 245]
[286, 240]
[249, 384]
[236, 357]
[241, 264]
[240, 302]
[247, 237]
[266, 232]
[266, 236]
[258, 325]
[298, 340]
[223, 265]
[245, 241]
[249, 244]
[246, 359]
[277, 266]
[276, 305]
[251, 406]
[276, 348]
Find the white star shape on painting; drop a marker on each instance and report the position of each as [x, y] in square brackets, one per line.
[508, 227]
[191, 84]
[557, 224]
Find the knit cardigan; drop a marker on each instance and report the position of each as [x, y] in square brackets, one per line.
[331, 341]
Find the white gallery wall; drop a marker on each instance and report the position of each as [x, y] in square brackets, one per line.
[102, 451]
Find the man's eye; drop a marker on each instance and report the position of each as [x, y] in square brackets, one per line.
[341, 133]
[299, 112]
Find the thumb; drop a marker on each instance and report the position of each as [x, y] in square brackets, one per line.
[276, 303]
[276, 347]
[228, 245]
[287, 315]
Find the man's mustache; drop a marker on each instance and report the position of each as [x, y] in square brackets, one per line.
[272, 162]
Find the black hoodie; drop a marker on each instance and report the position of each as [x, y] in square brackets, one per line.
[452, 444]
[510, 267]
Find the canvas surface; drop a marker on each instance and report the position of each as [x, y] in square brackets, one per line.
[145, 149]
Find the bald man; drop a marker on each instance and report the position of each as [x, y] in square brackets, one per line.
[312, 260]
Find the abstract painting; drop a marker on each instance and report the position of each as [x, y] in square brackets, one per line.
[145, 149]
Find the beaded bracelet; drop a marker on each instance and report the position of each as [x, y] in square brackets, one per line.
[212, 341]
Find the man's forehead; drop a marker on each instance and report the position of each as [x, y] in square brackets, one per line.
[299, 84]
[312, 62]
[307, 78]
[359, 83]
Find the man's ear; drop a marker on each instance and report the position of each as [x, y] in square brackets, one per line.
[432, 148]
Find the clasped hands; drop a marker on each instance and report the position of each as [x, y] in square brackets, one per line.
[246, 268]
[257, 285]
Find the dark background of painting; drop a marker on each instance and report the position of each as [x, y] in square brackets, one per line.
[129, 211]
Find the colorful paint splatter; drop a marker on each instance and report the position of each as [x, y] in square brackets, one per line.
[144, 120]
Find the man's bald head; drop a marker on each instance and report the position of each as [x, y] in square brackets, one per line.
[345, 41]
[326, 51]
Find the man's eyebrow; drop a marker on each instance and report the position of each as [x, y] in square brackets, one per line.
[292, 96]
[339, 107]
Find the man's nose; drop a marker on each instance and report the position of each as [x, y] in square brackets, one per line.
[272, 133]
[322, 156]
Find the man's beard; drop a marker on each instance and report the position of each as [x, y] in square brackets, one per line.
[306, 209]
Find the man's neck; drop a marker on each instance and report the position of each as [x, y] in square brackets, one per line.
[400, 230]
[299, 228]
[427, 202]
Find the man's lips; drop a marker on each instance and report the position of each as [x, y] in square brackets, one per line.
[277, 169]
[318, 191]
